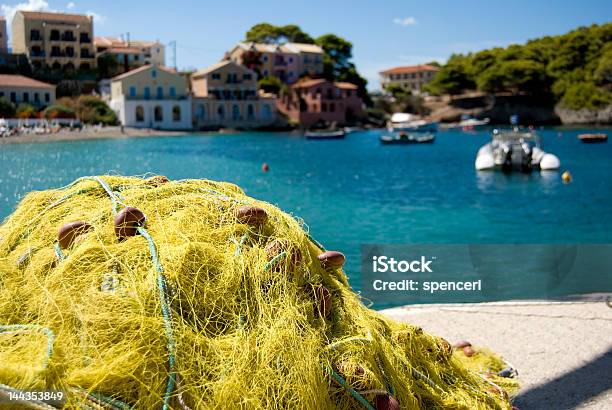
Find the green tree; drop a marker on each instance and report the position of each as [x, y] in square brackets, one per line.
[7, 108]
[585, 95]
[337, 64]
[453, 77]
[270, 84]
[58, 111]
[270, 34]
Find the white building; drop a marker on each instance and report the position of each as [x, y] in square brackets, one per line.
[152, 97]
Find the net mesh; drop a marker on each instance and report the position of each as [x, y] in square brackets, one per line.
[212, 303]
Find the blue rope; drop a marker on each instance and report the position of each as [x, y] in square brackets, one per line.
[348, 388]
[58, 252]
[275, 260]
[163, 296]
[48, 332]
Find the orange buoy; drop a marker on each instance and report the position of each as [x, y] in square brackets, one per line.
[331, 259]
[69, 232]
[324, 300]
[127, 221]
[469, 351]
[461, 344]
[265, 167]
[277, 246]
[251, 215]
[157, 180]
[386, 402]
[566, 177]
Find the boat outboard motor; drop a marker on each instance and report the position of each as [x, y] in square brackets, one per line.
[526, 163]
[507, 155]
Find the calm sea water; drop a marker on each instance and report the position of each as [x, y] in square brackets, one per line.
[356, 191]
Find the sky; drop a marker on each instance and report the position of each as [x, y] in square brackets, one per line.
[384, 33]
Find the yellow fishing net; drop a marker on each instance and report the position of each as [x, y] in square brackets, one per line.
[215, 300]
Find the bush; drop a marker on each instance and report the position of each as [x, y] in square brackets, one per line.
[7, 108]
[270, 84]
[585, 95]
[90, 109]
[58, 111]
[25, 111]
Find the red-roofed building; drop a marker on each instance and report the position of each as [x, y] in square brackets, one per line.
[19, 89]
[312, 101]
[411, 78]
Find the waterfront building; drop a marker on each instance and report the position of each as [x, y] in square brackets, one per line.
[57, 40]
[152, 96]
[411, 78]
[225, 95]
[130, 54]
[319, 100]
[289, 62]
[3, 36]
[20, 89]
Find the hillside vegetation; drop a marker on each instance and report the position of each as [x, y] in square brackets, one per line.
[573, 69]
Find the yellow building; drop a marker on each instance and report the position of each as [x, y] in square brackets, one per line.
[225, 95]
[411, 78]
[19, 89]
[152, 97]
[57, 40]
[289, 62]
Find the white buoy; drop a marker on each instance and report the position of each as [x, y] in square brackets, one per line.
[484, 162]
[549, 161]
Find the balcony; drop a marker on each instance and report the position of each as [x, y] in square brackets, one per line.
[68, 37]
[37, 54]
[84, 39]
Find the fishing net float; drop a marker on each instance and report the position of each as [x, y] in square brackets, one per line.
[127, 292]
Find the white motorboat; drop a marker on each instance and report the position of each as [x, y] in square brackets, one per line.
[515, 150]
[404, 138]
[401, 121]
[325, 134]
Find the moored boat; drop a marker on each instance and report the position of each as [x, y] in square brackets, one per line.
[515, 150]
[407, 122]
[325, 134]
[404, 138]
[593, 138]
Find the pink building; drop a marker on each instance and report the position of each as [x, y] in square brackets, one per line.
[311, 101]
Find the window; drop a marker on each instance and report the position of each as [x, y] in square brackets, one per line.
[34, 35]
[235, 112]
[216, 76]
[349, 93]
[36, 97]
[265, 73]
[324, 107]
[291, 59]
[176, 113]
[47, 97]
[172, 92]
[1, 94]
[160, 92]
[266, 112]
[147, 93]
[332, 107]
[139, 114]
[265, 58]
[247, 77]
[158, 114]
[250, 111]
[154, 73]
[133, 92]
[55, 35]
[221, 112]
[13, 96]
[26, 97]
[201, 112]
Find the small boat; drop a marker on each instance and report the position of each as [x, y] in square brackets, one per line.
[325, 134]
[469, 123]
[593, 138]
[515, 150]
[401, 121]
[404, 138]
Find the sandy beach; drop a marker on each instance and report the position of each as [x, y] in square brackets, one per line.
[91, 134]
[560, 349]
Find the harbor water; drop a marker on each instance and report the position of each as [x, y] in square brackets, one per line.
[357, 191]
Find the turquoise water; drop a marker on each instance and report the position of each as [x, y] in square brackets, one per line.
[356, 191]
